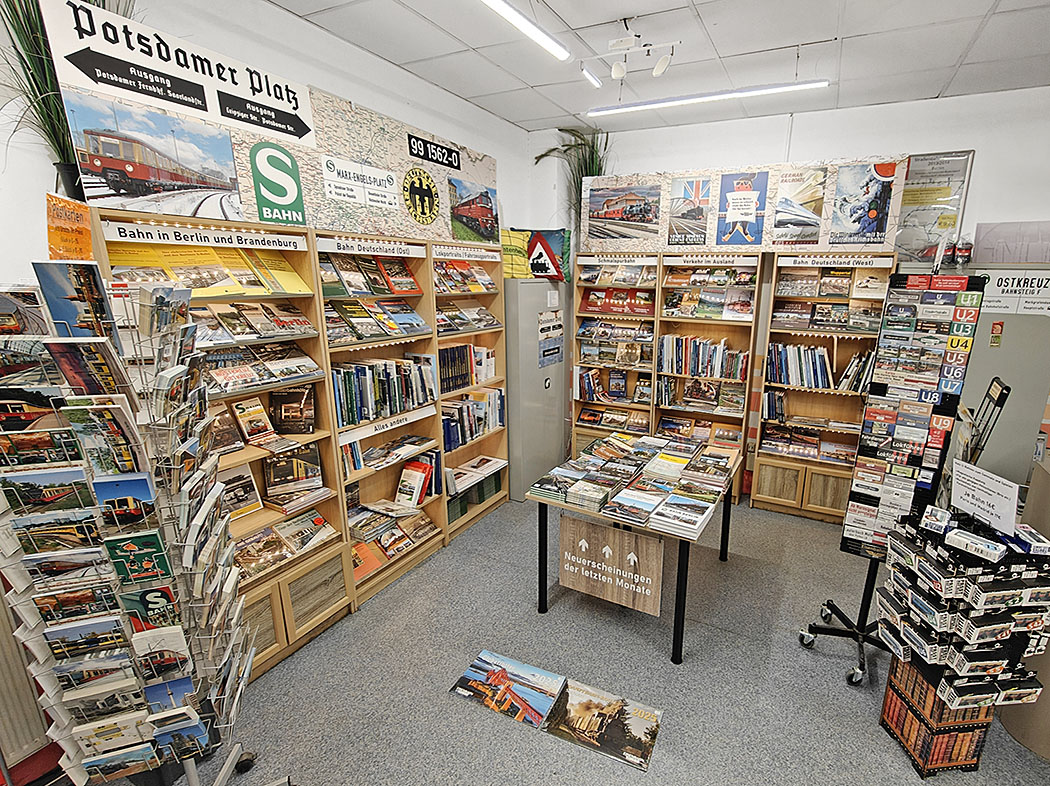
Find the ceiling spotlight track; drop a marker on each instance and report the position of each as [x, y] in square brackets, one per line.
[703, 98]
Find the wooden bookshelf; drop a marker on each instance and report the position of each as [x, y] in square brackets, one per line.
[738, 334]
[794, 482]
[278, 604]
[492, 443]
[584, 433]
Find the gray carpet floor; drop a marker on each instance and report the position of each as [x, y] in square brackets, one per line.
[367, 702]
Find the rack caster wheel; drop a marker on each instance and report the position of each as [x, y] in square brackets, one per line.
[806, 639]
[245, 762]
[854, 676]
[825, 614]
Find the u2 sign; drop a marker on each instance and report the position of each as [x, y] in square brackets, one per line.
[613, 564]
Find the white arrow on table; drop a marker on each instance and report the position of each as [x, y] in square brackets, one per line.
[632, 558]
[607, 552]
[584, 545]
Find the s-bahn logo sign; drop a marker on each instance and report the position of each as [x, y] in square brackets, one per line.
[421, 195]
[278, 192]
[110, 55]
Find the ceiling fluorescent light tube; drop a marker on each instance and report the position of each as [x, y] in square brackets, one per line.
[594, 80]
[528, 27]
[703, 98]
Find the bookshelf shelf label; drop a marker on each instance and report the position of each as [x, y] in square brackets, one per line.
[833, 261]
[369, 429]
[153, 232]
[466, 253]
[349, 245]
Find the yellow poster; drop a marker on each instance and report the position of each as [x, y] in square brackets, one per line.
[68, 229]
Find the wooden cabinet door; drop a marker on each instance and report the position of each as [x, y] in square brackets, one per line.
[779, 482]
[315, 590]
[265, 618]
[827, 490]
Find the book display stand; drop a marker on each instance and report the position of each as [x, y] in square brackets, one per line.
[115, 540]
[824, 320]
[919, 367]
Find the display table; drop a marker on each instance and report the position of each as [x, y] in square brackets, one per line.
[684, 544]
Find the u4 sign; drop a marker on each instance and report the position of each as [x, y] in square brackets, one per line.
[278, 191]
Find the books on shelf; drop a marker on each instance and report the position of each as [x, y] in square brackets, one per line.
[600, 331]
[701, 395]
[798, 365]
[380, 388]
[619, 301]
[293, 502]
[796, 442]
[463, 365]
[696, 356]
[270, 546]
[239, 495]
[255, 425]
[459, 479]
[464, 316]
[455, 276]
[292, 410]
[237, 368]
[380, 456]
[293, 471]
[476, 414]
[857, 374]
[357, 321]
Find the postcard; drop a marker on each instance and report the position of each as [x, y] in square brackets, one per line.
[126, 500]
[46, 490]
[76, 299]
[79, 602]
[162, 652]
[116, 731]
[64, 529]
[79, 637]
[54, 569]
[96, 669]
[120, 763]
[169, 695]
[509, 687]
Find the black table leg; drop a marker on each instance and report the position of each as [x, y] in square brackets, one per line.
[727, 508]
[542, 520]
[681, 586]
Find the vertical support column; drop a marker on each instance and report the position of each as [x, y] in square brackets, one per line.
[542, 526]
[727, 512]
[681, 587]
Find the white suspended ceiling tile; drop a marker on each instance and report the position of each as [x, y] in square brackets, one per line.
[739, 26]
[679, 80]
[459, 73]
[904, 51]
[891, 88]
[1012, 36]
[474, 23]
[635, 121]
[1013, 5]
[517, 105]
[815, 61]
[304, 7]
[389, 30]
[584, 13]
[534, 65]
[1002, 75]
[678, 25]
[579, 96]
[860, 17]
[702, 113]
[561, 121]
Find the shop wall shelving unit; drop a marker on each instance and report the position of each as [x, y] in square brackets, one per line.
[458, 515]
[739, 334]
[295, 600]
[584, 433]
[816, 487]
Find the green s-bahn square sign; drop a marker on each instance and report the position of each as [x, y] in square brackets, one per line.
[278, 192]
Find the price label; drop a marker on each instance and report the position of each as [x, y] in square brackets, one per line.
[433, 152]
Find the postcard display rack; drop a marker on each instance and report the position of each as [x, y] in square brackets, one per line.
[122, 577]
[292, 589]
[824, 320]
[663, 346]
[465, 360]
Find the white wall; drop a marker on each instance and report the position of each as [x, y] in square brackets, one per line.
[1008, 130]
[257, 31]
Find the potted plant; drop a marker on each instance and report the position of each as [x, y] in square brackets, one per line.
[31, 76]
[586, 154]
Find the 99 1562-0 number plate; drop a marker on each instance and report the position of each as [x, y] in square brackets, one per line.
[433, 152]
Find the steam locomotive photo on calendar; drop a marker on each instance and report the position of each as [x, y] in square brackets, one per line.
[622, 212]
[474, 211]
[135, 157]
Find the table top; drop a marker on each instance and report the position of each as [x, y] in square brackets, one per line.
[640, 527]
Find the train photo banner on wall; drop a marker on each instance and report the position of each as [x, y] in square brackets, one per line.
[819, 206]
[162, 125]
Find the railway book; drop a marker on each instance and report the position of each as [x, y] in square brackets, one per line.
[526, 693]
[292, 410]
[398, 276]
[605, 722]
[240, 495]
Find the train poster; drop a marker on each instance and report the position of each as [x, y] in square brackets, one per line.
[161, 125]
[813, 206]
